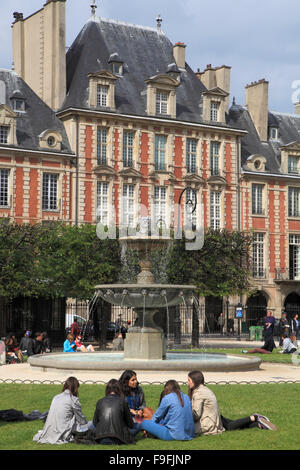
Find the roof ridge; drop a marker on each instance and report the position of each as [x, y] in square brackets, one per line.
[123, 23]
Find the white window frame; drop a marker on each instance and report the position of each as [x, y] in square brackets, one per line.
[50, 192]
[293, 202]
[215, 210]
[160, 205]
[215, 158]
[214, 111]
[4, 134]
[128, 147]
[191, 217]
[161, 104]
[4, 187]
[258, 255]
[102, 140]
[293, 164]
[128, 204]
[102, 214]
[160, 152]
[102, 95]
[294, 240]
[257, 199]
[191, 155]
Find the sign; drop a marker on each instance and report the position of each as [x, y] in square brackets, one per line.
[239, 311]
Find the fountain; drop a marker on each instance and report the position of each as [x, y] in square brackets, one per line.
[145, 343]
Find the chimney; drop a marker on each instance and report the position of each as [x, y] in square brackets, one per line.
[179, 54]
[208, 77]
[39, 51]
[257, 102]
[223, 74]
[297, 108]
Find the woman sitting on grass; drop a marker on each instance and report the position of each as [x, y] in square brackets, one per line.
[267, 348]
[64, 417]
[173, 420]
[206, 414]
[112, 419]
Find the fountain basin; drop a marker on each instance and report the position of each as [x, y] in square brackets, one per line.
[99, 361]
[144, 295]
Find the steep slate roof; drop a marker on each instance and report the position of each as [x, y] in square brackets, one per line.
[288, 131]
[37, 117]
[146, 52]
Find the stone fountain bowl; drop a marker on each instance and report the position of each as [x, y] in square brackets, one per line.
[146, 296]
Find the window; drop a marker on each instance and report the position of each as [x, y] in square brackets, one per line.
[128, 139]
[162, 102]
[273, 133]
[4, 175]
[214, 110]
[50, 181]
[4, 130]
[214, 158]
[293, 203]
[19, 104]
[215, 210]
[101, 146]
[257, 199]
[117, 68]
[191, 149]
[293, 164]
[160, 200]
[294, 256]
[128, 205]
[102, 202]
[160, 152]
[190, 205]
[258, 255]
[102, 95]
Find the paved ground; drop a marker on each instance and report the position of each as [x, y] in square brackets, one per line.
[266, 373]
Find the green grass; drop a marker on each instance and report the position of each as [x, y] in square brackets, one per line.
[274, 357]
[280, 402]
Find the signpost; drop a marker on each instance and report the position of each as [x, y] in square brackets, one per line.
[239, 316]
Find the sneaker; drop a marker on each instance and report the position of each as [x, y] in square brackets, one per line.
[244, 351]
[264, 424]
[257, 416]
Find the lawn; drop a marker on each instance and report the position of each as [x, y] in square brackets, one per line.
[280, 402]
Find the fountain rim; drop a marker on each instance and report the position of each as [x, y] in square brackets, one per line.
[240, 363]
[147, 286]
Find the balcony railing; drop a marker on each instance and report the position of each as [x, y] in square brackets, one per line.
[287, 274]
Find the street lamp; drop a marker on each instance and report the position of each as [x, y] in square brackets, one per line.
[177, 320]
[239, 316]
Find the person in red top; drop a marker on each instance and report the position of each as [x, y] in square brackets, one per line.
[75, 330]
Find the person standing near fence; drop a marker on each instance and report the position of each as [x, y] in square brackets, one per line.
[221, 323]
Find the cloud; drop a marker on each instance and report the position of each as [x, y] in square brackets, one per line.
[258, 39]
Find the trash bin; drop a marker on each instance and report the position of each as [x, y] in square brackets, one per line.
[259, 333]
[252, 330]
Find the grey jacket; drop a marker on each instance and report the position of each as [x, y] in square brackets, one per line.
[64, 416]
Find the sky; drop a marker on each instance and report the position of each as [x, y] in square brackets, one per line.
[257, 38]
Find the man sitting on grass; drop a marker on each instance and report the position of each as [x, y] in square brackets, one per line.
[288, 346]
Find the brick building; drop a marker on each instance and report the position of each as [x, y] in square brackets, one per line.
[144, 127]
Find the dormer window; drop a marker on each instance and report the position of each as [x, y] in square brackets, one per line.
[50, 139]
[162, 98]
[102, 95]
[161, 95]
[116, 64]
[273, 133]
[19, 105]
[4, 132]
[18, 101]
[293, 164]
[214, 111]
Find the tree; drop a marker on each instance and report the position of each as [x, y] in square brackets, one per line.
[220, 268]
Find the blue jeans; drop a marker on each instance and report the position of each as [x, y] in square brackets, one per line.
[157, 430]
[136, 428]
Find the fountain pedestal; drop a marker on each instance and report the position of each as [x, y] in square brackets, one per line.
[145, 344]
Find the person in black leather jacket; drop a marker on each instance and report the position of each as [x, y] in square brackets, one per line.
[112, 418]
